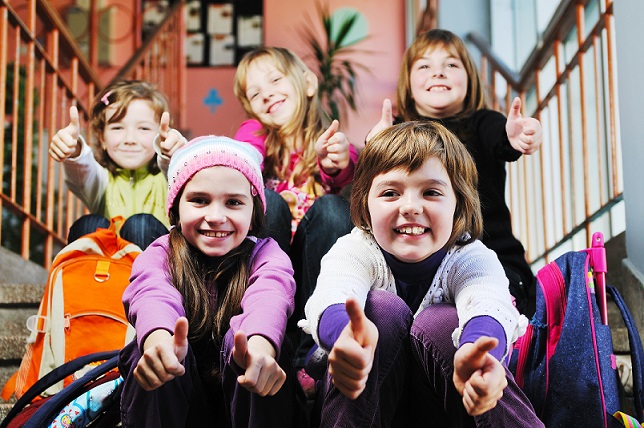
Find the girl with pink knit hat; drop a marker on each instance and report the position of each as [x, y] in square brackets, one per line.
[210, 302]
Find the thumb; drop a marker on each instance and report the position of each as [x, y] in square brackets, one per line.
[164, 125]
[74, 122]
[356, 320]
[331, 130]
[240, 349]
[181, 338]
[387, 112]
[515, 108]
[482, 346]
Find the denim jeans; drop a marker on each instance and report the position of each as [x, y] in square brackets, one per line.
[410, 383]
[140, 229]
[185, 402]
[325, 221]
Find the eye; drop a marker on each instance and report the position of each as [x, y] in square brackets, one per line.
[389, 194]
[277, 79]
[198, 200]
[432, 193]
[252, 96]
[234, 202]
[145, 128]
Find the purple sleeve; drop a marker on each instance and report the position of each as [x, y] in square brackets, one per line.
[151, 301]
[269, 299]
[345, 176]
[250, 132]
[334, 319]
[485, 326]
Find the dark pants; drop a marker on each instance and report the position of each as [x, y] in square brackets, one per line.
[411, 380]
[325, 221]
[139, 229]
[185, 402]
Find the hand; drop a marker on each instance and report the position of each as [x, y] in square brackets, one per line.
[332, 149]
[386, 120]
[65, 143]
[525, 133]
[170, 140]
[256, 356]
[162, 356]
[351, 359]
[478, 376]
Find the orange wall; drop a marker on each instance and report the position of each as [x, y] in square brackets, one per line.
[283, 21]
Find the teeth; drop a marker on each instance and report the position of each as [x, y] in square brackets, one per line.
[416, 230]
[438, 89]
[211, 234]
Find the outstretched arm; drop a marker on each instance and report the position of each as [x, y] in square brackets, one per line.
[525, 133]
[162, 357]
[351, 359]
[478, 376]
[256, 356]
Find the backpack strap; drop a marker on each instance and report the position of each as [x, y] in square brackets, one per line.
[637, 351]
[51, 408]
[53, 377]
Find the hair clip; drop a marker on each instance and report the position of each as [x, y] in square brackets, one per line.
[105, 99]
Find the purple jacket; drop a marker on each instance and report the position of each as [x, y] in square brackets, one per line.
[152, 302]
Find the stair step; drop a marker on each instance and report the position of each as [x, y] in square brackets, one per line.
[21, 294]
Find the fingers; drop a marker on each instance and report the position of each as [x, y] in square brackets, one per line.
[356, 320]
[332, 129]
[164, 125]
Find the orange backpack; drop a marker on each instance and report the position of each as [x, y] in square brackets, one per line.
[81, 311]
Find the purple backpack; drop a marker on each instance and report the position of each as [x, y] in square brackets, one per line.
[565, 362]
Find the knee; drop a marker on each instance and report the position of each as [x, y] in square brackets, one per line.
[390, 314]
[432, 330]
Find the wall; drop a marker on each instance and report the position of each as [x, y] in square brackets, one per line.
[283, 22]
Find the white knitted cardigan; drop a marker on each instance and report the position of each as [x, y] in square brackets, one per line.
[470, 276]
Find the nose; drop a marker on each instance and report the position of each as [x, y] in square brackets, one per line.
[129, 137]
[215, 214]
[410, 206]
[438, 71]
[267, 94]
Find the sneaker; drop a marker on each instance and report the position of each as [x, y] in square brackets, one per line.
[307, 383]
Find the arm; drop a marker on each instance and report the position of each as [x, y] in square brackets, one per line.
[151, 301]
[269, 299]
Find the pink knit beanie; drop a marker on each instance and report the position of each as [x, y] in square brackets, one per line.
[211, 150]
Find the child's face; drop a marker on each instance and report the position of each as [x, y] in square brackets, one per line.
[129, 141]
[412, 215]
[438, 83]
[272, 96]
[216, 218]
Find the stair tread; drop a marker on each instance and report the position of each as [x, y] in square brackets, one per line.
[21, 294]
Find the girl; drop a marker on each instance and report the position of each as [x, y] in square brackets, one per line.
[210, 301]
[305, 160]
[439, 82]
[428, 320]
[122, 178]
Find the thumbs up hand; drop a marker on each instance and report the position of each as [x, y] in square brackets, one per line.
[65, 143]
[351, 358]
[525, 133]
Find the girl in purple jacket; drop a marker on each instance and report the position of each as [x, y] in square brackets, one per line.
[210, 302]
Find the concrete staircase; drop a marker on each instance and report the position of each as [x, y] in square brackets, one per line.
[22, 285]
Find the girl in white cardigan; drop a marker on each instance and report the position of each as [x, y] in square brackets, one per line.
[414, 311]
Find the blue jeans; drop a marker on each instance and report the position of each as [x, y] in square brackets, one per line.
[140, 229]
[410, 383]
[190, 401]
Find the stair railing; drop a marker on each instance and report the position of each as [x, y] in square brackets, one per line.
[573, 186]
[42, 73]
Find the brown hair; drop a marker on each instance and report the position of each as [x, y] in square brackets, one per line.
[475, 96]
[121, 94]
[407, 146]
[198, 277]
[309, 120]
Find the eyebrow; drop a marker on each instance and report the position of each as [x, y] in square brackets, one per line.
[430, 181]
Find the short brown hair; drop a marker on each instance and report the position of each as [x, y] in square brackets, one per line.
[121, 94]
[475, 96]
[407, 146]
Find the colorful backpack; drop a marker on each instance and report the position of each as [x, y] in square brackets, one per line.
[81, 311]
[565, 362]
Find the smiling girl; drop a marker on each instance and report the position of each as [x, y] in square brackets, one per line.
[413, 310]
[122, 177]
[209, 303]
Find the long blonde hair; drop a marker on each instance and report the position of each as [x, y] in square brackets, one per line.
[308, 121]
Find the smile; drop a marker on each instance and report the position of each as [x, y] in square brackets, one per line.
[213, 234]
[275, 106]
[416, 230]
[438, 89]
